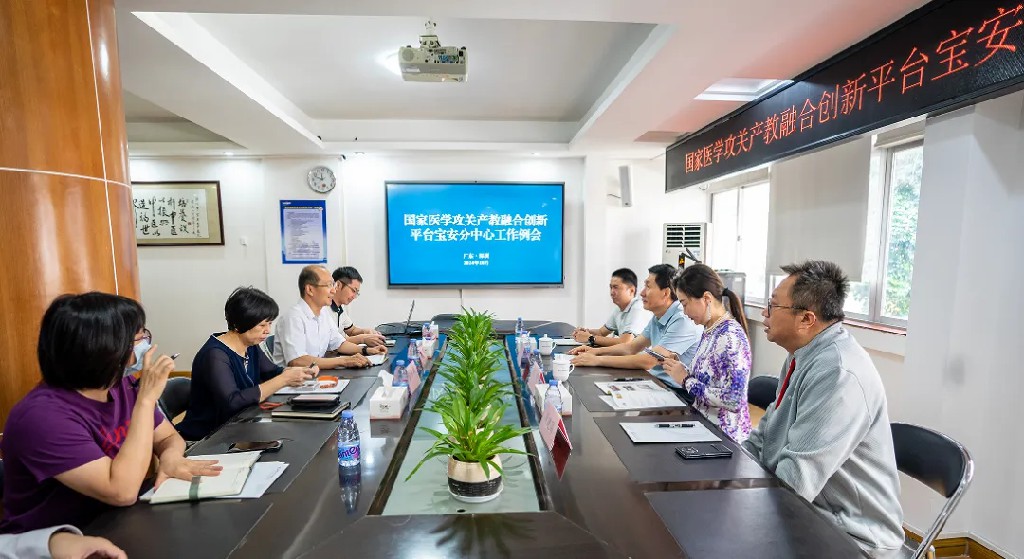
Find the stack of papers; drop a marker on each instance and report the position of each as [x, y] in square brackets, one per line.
[566, 342]
[230, 482]
[638, 395]
[342, 383]
[669, 432]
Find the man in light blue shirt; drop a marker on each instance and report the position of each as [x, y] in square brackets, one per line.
[670, 332]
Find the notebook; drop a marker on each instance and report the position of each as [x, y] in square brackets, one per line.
[286, 411]
[231, 480]
[342, 383]
[377, 359]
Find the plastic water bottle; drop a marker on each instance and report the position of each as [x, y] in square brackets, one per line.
[348, 441]
[411, 369]
[536, 361]
[351, 482]
[401, 374]
[426, 330]
[519, 326]
[553, 395]
[414, 351]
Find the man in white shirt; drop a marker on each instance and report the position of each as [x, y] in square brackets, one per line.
[625, 323]
[306, 334]
[669, 333]
[347, 282]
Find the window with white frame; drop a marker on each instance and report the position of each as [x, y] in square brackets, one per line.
[884, 295]
[739, 235]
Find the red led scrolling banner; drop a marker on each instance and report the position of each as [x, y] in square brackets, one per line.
[945, 54]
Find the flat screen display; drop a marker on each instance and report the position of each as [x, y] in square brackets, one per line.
[474, 234]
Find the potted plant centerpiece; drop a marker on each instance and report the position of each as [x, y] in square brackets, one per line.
[471, 408]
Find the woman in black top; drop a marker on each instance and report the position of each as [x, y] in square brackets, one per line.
[230, 372]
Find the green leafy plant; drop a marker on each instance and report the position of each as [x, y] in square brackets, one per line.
[472, 404]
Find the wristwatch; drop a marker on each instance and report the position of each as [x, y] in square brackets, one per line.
[363, 350]
[592, 341]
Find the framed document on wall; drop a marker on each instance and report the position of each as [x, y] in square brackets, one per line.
[177, 213]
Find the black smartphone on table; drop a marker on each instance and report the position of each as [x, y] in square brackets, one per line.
[249, 446]
[714, 450]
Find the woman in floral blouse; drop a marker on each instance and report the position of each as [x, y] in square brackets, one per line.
[721, 366]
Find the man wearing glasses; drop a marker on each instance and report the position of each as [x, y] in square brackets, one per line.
[827, 434]
[307, 336]
[346, 288]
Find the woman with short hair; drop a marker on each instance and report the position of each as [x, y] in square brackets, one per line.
[84, 438]
[230, 372]
[720, 370]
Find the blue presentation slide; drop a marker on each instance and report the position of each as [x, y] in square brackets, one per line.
[474, 234]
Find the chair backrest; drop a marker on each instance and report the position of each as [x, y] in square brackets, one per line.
[937, 461]
[761, 390]
[177, 394]
[268, 347]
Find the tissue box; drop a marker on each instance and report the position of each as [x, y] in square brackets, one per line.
[388, 406]
[538, 396]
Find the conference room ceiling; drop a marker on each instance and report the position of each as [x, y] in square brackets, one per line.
[203, 77]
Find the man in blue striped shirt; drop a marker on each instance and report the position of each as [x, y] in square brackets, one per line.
[827, 434]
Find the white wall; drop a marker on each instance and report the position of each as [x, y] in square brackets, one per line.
[963, 371]
[184, 288]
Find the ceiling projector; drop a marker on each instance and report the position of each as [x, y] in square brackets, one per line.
[430, 62]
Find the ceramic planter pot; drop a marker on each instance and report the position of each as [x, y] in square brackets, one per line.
[467, 481]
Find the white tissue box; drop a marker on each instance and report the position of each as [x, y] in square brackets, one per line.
[538, 396]
[388, 406]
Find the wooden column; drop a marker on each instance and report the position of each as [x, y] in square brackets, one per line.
[66, 222]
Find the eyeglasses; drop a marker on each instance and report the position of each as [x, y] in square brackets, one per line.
[771, 306]
[146, 336]
[354, 290]
[327, 285]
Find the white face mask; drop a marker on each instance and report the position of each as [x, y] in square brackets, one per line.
[140, 351]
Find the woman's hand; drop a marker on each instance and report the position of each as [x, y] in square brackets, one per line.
[153, 378]
[675, 369]
[375, 350]
[183, 468]
[295, 376]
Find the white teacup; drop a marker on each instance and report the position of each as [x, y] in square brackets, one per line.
[547, 345]
[560, 370]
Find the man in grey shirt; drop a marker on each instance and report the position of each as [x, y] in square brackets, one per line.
[827, 434]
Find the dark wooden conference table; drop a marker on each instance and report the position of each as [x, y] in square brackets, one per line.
[612, 499]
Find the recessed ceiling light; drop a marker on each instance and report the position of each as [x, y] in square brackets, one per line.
[389, 60]
[228, 153]
[741, 89]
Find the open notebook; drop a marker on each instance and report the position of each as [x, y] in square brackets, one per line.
[230, 481]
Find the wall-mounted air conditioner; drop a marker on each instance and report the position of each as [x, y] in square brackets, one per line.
[684, 243]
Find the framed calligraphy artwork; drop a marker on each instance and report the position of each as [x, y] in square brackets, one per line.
[177, 213]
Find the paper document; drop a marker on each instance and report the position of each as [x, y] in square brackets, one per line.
[673, 432]
[638, 395]
[342, 383]
[231, 480]
[263, 475]
[566, 342]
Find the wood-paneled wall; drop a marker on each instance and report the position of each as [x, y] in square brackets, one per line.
[66, 222]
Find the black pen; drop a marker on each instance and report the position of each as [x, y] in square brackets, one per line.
[627, 379]
[664, 425]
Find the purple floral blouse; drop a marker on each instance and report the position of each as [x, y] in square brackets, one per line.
[718, 378]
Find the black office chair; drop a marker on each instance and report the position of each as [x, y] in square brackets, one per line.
[268, 347]
[761, 390]
[938, 462]
[175, 399]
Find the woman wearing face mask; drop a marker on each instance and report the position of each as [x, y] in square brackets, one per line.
[721, 366]
[84, 438]
[230, 372]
